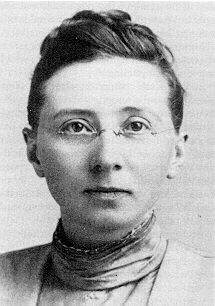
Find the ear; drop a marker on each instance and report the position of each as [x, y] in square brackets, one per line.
[178, 156]
[31, 142]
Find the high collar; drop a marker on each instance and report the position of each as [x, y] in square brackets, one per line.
[121, 262]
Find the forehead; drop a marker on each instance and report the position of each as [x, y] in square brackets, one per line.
[108, 85]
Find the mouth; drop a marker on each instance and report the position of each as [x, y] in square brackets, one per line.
[104, 193]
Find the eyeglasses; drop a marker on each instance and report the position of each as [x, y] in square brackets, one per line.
[80, 130]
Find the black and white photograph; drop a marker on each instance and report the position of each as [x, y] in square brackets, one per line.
[107, 172]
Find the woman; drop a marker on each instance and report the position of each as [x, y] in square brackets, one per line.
[105, 109]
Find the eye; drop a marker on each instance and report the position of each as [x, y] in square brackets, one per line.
[76, 127]
[136, 126]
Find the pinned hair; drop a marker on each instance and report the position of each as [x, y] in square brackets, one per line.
[88, 36]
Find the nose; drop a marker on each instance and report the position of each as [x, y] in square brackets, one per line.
[107, 153]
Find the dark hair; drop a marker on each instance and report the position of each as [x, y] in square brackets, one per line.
[88, 36]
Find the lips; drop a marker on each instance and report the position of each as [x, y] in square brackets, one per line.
[107, 193]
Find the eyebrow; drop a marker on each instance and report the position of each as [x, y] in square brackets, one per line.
[91, 113]
[132, 109]
[69, 112]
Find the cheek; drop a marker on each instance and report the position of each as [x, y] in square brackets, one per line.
[150, 162]
[62, 164]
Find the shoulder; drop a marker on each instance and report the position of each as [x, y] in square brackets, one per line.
[190, 263]
[15, 261]
[21, 271]
[33, 251]
[186, 277]
[187, 256]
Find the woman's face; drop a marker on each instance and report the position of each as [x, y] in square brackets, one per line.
[106, 180]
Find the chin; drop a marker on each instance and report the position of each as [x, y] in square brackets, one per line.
[112, 220]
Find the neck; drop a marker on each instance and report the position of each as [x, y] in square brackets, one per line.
[111, 265]
[82, 237]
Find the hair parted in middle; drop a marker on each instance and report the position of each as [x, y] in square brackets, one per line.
[88, 36]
